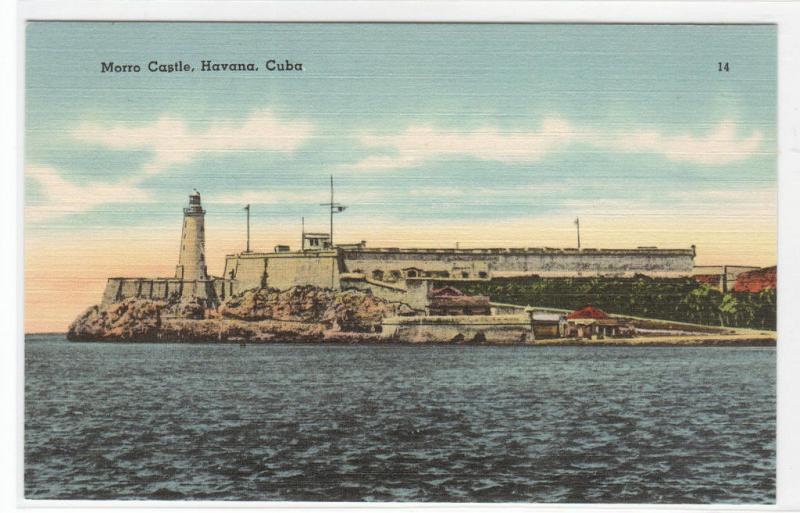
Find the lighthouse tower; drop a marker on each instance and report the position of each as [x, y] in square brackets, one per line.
[192, 259]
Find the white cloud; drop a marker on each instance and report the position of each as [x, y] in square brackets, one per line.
[172, 141]
[719, 146]
[419, 144]
[750, 196]
[175, 142]
[60, 197]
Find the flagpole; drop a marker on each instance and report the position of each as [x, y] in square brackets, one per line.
[578, 224]
[247, 208]
[332, 211]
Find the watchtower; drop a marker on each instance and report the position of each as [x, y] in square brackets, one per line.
[192, 259]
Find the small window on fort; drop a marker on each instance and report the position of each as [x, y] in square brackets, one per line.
[465, 275]
[377, 274]
[482, 274]
[412, 274]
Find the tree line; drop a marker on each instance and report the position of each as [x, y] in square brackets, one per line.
[675, 299]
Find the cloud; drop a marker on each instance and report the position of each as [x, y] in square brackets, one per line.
[59, 197]
[174, 142]
[419, 144]
[720, 146]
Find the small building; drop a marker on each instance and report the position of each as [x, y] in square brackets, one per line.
[451, 301]
[720, 277]
[316, 241]
[548, 324]
[757, 280]
[591, 322]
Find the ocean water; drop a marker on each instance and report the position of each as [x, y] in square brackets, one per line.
[399, 423]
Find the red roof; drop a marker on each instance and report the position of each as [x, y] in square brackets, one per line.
[588, 312]
[446, 292]
[758, 280]
[451, 296]
[708, 279]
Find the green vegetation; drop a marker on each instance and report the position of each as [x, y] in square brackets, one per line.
[676, 299]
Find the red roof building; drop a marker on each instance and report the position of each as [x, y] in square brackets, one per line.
[587, 312]
[591, 322]
[708, 279]
[758, 280]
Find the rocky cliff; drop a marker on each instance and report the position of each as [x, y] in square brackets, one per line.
[300, 314]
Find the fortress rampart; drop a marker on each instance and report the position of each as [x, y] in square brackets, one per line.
[283, 270]
[506, 262]
[392, 273]
[211, 290]
[396, 274]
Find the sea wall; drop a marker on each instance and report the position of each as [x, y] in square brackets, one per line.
[500, 329]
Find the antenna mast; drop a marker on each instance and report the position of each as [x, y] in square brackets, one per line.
[335, 208]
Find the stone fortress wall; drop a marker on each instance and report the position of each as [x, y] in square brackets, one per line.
[118, 289]
[396, 274]
[395, 266]
[282, 270]
[509, 262]
[408, 275]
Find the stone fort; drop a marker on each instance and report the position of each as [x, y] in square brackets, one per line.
[397, 274]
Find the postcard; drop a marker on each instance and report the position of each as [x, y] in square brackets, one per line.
[400, 262]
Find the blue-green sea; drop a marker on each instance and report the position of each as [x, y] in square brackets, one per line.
[398, 423]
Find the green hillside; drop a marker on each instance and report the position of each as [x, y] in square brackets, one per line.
[678, 299]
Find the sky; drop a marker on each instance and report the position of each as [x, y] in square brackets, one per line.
[436, 134]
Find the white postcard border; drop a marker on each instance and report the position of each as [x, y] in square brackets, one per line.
[786, 15]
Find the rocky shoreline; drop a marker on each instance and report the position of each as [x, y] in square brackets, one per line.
[307, 315]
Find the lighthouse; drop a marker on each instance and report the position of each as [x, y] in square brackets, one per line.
[192, 259]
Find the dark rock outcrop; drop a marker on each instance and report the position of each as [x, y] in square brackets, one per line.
[349, 310]
[304, 314]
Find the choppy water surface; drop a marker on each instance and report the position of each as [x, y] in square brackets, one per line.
[399, 423]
